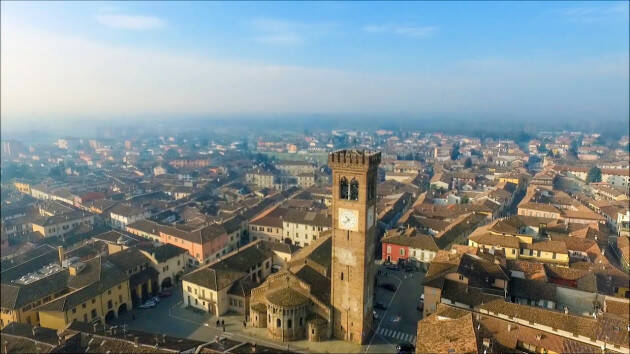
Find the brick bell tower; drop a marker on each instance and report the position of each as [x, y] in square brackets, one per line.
[354, 176]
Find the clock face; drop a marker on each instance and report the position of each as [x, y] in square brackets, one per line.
[370, 217]
[348, 219]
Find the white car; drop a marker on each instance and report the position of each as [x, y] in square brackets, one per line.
[148, 304]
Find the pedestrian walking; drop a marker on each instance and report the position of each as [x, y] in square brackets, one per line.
[217, 323]
[223, 323]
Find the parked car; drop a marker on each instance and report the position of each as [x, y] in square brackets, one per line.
[379, 306]
[149, 304]
[388, 286]
[165, 293]
[405, 348]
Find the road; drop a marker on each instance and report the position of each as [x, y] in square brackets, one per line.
[399, 321]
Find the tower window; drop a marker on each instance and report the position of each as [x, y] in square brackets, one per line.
[354, 189]
[343, 188]
[341, 275]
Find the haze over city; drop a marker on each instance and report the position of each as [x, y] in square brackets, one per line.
[315, 177]
[138, 61]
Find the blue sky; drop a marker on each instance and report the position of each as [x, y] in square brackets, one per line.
[115, 59]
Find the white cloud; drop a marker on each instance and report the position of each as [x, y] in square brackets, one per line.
[56, 76]
[130, 22]
[402, 30]
[596, 13]
[281, 32]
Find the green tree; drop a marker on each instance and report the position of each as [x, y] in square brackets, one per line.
[594, 175]
[468, 163]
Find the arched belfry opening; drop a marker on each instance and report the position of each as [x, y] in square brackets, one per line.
[354, 189]
[343, 188]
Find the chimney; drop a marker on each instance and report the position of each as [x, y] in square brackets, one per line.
[60, 252]
[136, 342]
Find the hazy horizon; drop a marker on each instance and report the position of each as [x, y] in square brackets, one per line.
[142, 62]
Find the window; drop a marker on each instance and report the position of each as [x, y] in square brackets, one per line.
[93, 301]
[402, 251]
[513, 251]
[301, 324]
[389, 249]
[341, 275]
[189, 289]
[343, 188]
[289, 323]
[461, 277]
[109, 304]
[85, 318]
[74, 310]
[354, 189]
[278, 323]
[538, 254]
[93, 313]
[83, 305]
[554, 255]
[109, 292]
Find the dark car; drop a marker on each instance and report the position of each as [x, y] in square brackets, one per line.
[379, 306]
[405, 348]
[388, 286]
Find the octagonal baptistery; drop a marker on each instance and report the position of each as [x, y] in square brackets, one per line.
[287, 310]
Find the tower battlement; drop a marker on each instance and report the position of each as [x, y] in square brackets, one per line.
[353, 157]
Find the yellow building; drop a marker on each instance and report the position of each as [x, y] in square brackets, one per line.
[522, 247]
[19, 299]
[99, 291]
[23, 187]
